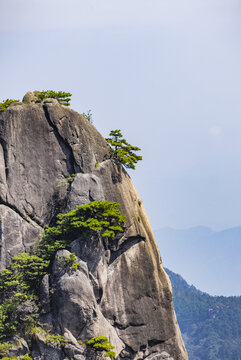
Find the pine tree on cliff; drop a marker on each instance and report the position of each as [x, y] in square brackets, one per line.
[122, 151]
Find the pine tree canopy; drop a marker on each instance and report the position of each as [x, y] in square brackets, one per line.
[6, 103]
[62, 97]
[122, 150]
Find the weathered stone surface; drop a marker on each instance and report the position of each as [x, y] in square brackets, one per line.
[20, 347]
[30, 97]
[81, 139]
[44, 294]
[85, 188]
[120, 290]
[43, 351]
[131, 283]
[31, 151]
[3, 171]
[16, 234]
[75, 306]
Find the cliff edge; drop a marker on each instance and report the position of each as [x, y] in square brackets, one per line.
[120, 289]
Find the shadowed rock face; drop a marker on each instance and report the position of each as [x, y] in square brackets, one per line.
[120, 290]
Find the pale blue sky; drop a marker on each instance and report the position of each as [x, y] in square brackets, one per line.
[165, 72]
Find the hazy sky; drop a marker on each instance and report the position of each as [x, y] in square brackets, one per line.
[166, 72]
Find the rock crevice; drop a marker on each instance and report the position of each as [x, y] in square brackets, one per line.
[71, 164]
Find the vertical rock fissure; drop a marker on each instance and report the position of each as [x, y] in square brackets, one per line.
[2, 143]
[72, 166]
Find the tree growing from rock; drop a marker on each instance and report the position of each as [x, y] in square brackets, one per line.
[62, 97]
[122, 151]
[6, 103]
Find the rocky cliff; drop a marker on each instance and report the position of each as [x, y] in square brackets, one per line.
[120, 290]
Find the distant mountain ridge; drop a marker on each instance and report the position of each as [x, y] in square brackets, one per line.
[210, 325]
[208, 259]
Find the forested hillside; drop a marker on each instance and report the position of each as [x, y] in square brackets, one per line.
[210, 325]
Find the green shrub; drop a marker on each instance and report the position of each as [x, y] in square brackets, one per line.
[4, 348]
[32, 332]
[56, 340]
[19, 286]
[17, 314]
[26, 357]
[62, 97]
[102, 343]
[6, 103]
[24, 273]
[110, 354]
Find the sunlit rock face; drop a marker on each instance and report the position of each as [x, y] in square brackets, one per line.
[120, 289]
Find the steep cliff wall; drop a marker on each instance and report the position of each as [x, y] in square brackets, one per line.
[120, 290]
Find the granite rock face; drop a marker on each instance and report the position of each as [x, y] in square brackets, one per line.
[120, 289]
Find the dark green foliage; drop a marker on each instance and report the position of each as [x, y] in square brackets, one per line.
[24, 273]
[101, 343]
[17, 313]
[122, 151]
[211, 325]
[98, 217]
[62, 97]
[19, 284]
[5, 104]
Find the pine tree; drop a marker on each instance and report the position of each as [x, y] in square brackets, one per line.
[122, 151]
[62, 97]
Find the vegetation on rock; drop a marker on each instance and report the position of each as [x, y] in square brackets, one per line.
[25, 357]
[6, 103]
[96, 218]
[62, 97]
[102, 343]
[122, 151]
[66, 181]
[4, 347]
[19, 286]
[88, 116]
[56, 340]
[69, 261]
[20, 282]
